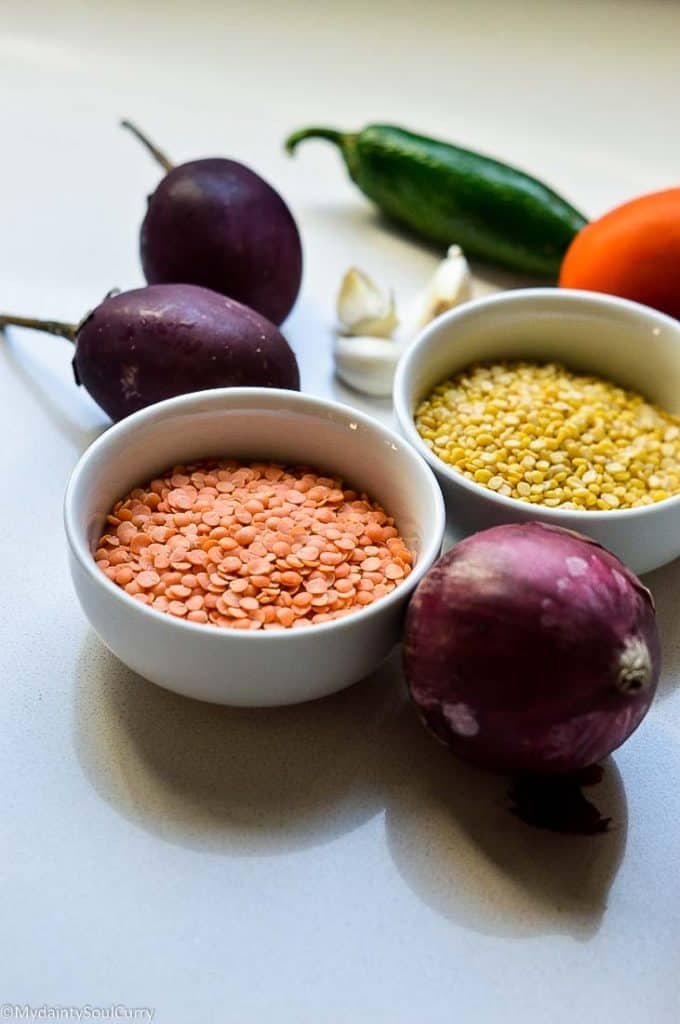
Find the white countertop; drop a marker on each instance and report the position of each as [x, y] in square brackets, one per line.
[326, 864]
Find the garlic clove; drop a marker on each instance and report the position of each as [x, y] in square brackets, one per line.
[450, 285]
[363, 309]
[367, 364]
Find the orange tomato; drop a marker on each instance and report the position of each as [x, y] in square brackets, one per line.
[633, 251]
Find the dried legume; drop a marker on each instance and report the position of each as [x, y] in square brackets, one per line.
[256, 546]
[544, 435]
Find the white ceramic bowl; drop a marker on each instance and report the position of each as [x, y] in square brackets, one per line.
[225, 666]
[628, 343]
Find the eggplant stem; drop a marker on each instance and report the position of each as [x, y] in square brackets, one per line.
[57, 327]
[156, 153]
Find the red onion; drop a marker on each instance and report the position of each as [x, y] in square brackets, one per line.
[530, 648]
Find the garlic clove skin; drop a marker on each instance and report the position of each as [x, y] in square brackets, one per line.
[450, 285]
[363, 308]
[363, 360]
[366, 363]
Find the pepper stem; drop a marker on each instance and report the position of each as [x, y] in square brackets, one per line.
[345, 141]
[339, 138]
[156, 153]
[58, 327]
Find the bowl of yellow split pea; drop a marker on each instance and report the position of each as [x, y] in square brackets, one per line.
[556, 406]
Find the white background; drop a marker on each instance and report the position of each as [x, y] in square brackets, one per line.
[327, 864]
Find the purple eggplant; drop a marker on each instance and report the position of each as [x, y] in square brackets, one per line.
[215, 223]
[141, 346]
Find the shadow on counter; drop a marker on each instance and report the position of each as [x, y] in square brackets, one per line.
[456, 844]
[233, 780]
[49, 392]
[237, 782]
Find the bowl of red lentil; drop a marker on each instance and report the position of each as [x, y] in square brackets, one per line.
[250, 546]
[553, 405]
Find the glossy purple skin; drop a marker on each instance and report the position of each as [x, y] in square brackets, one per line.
[218, 224]
[152, 343]
[514, 645]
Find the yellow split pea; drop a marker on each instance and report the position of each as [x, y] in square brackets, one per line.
[544, 435]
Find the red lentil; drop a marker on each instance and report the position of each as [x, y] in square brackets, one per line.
[251, 546]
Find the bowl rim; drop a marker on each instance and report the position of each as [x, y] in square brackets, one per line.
[544, 296]
[222, 397]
